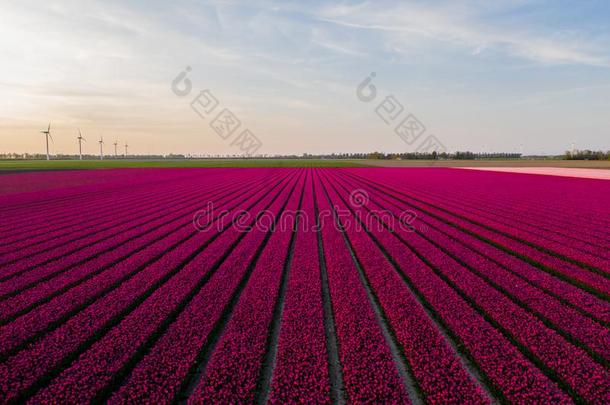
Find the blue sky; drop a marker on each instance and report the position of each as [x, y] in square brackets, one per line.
[531, 76]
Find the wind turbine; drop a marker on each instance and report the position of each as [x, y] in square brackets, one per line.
[116, 142]
[126, 146]
[101, 142]
[47, 134]
[80, 149]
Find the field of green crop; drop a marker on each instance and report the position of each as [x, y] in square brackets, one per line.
[18, 165]
[24, 165]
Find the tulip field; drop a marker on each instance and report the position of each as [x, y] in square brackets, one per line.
[303, 285]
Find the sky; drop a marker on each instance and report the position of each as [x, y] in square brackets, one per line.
[485, 76]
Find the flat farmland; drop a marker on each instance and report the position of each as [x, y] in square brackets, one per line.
[301, 284]
[559, 163]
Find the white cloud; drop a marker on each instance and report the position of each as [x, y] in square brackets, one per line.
[407, 24]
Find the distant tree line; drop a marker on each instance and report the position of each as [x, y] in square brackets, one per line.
[42, 156]
[587, 155]
[416, 156]
[467, 155]
[370, 155]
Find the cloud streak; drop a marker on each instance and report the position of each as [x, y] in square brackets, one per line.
[407, 23]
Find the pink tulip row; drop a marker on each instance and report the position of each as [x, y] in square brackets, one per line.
[460, 190]
[82, 222]
[179, 347]
[50, 204]
[528, 227]
[567, 246]
[580, 299]
[58, 239]
[560, 195]
[570, 206]
[19, 189]
[22, 187]
[96, 200]
[587, 278]
[467, 307]
[572, 365]
[593, 281]
[582, 328]
[35, 321]
[368, 373]
[233, 370]
[567, 249]
[434, 364]
[585, 329]
[30, 365]
[67, 256]
[517, 210]
[301, 371]
[55, 276]
[509, 370]
[201, 287]
[55, 209]
[134, 217]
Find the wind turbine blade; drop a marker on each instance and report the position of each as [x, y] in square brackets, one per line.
[49, 129]
[51, 138]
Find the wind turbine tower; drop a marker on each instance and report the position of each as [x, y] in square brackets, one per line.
[101, 142]
[47, 134]
[80, 148]
[116, 142]
[126, 146]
